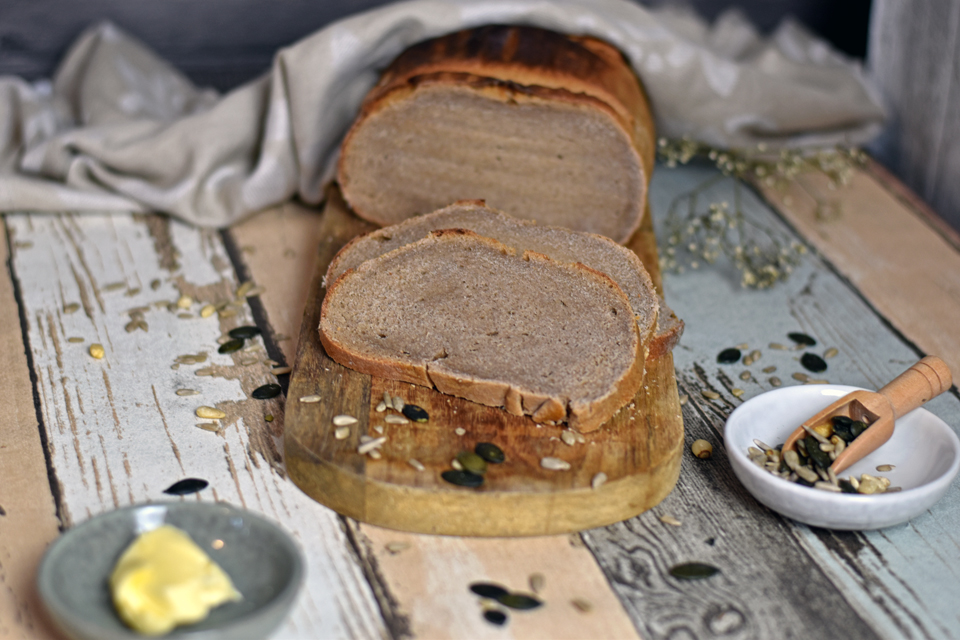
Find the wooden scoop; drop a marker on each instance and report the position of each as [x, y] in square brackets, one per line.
[927, 379]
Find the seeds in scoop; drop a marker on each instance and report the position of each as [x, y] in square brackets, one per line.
[728, 356]
[343, 420]
[668, 519]
[813, 362]
[72, 307]
[341, 433]
[186, 486]
[416, 464]
[598, 480]
[568, 437]
[75, 339]
[245, 332]
[415, 413]
[536, 582]
[693, 571]
[187, 392]
[830, 353]
[471, 462]
[554, 464]
[711, 395]
[96, 350]
[387, 400]
[210, 413]
[310, 399]
[230, 346]
[462, 478]
[490, 452]
[495, 616]
[702, 449]
[207, 310]
[827, 486]
[266, 392]
[802, 338]
[885, 467]
[395, 419]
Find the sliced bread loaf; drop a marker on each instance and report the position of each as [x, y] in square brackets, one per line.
[475, 318]
[563, 245]
[544, 126]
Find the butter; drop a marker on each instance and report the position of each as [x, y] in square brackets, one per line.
[163, 579]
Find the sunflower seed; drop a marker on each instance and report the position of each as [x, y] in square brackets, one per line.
[777, 346]
[775, 381]
[115, 286]
[227, 313]
[827, 486]
[375, 454]
[281, 371]
[96, 350]
[581, 605]
[536, 582]
[248, 362]
[668, 519]
[770, 369]
[460, 431]
[244, 289]
[416, 464]
[387, 400]
[395, 419]
[885, 467]
[184, 302]
[398, 403]
[711, 395]
[702, 449]
[72, 307]
[208, 371]
[367, 447]
[830, 353]
[310, 399]
[343, 420]
[737, 392]
[342, 433]
[210, 413]
[683, 399]
[378, 428]
[742, 345]
[207, 310]
[568, 438]
[598, 480]
[817, 381]
[75, 339]
[745, 375]
[187, 392]
[799, 375]
[210, 426]
[456, 465]
[381, 407]
[554, 464]
[802, 339]
[807, 474]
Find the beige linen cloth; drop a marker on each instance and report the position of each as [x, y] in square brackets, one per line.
[118, 129]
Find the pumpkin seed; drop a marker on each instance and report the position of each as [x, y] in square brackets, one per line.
[693, 571]
[268, 417]
[536, 582]
[711, 395]
[367, 447]
[830, 353]
[668, 519]
[885, 467]
[395, 419]
[495, 616]
[207, 310]
[72, 307]
[802, 338]
[343, 420]
[210, 413]
[266, 392]
[775, 381]
[416, 464]
[598, 480]
[702, 449]
[519, 601]
[310, 399]
[568, 438]
[244, 333]
[581, 605]
[230, 346]
[728, 356]
[462, 478]
[813, 362]
[490, 452]
[415, 413]
[554, 464]
[745, 375]
[471, 462]
[96, 350]
[187, 392]
[75, 339]
[186, 486]
[342, 433]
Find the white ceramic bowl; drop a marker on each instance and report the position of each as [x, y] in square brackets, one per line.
[924, 450]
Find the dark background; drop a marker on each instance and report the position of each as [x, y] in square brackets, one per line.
[221, 43]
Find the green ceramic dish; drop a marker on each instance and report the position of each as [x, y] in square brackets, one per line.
[261, 559]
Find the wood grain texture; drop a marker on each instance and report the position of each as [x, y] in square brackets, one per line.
[914, 60]
[409, 571]
[638, 448]
[28, 513]
[118, 434]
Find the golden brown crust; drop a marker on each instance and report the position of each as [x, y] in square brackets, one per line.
[666, 334]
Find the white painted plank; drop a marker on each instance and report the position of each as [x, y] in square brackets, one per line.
[118, 434]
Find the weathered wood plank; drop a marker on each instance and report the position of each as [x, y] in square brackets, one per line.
[28, 518]
[118, 434]
[423, 587]
[888, 587]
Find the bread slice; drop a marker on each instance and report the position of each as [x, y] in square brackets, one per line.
[475, 318]
[544, 126]
[666, 335]
[563, 245]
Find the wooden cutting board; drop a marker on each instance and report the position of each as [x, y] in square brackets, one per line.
[639, 449]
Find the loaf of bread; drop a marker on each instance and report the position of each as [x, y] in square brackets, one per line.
[478, 319]
[563, 245]
[543, 126]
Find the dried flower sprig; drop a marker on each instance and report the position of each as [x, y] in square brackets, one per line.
[762, 256]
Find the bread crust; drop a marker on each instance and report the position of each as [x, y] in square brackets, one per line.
[516, 400]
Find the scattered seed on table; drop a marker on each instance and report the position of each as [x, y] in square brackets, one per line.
[381, 407]
[829, 353]
[495, 616]
[886, 467]
[536, 582]
[568, 437]
[387, 400]
[245, 332]
[232, 345]
[742, 345]
[683, 399]
[598, 480]
[775, 381]
[210, 413]
[777, 346]
[115, 286]
[416, 464]
[207, 310]
[394, 548]
[268, 417]
[187, 392]
[747, 360]
[488, 590]
[581, 605]
[281, 371]
[460, 431]
[395, 419]
[471, 462]
[415, 413]
[813, 362]
[398, 403]
[728, 356]
[210, 426]
[310, 399]
[745, 375]
[554, 464]
[72, 307]
[208, 371]
[817, 381]
[702, 449]
[367, 447]
[75, 339]
[710, 395]
[693, 571]
[256, 291]
[801, 376]
[456, 465]
[227, 313]
[378, 428]
[96, 350]
[668, 519]
[462, 478]
[248, 362]
[490, 452]
[266, 392]
[342, 433]
[186, 486]
[245, 288]
[519, 601]
[737, 392]
[184, 302]
[770, 369]
[155, 284]
[802, 338]
[343, 420]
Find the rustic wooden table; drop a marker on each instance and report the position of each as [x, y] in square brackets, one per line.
[80, 436]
